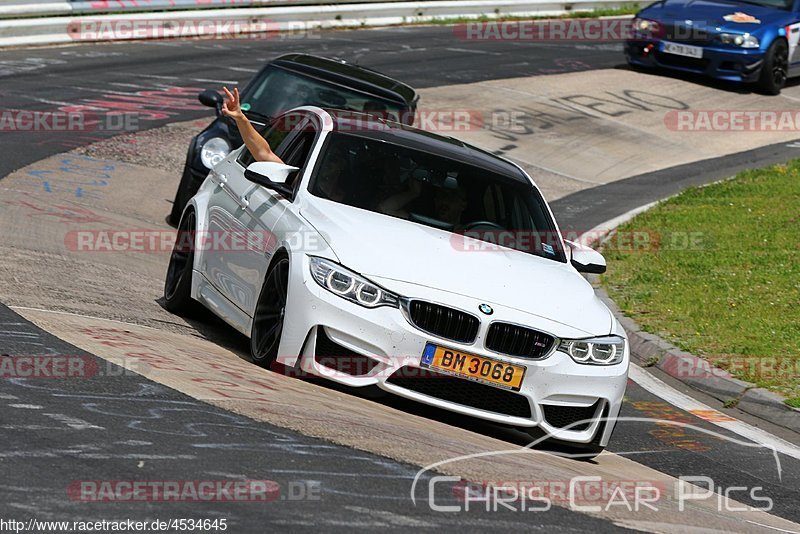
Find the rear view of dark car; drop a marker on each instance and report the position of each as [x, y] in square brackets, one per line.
[287, 82]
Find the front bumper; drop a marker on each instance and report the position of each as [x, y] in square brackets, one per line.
[555, 393]
[737, 65]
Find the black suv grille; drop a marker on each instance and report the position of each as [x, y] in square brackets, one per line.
[564, 416]
[462, 391]
[443, 322]
[514, 340]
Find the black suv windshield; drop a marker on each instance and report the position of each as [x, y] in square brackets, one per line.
[436, 191]
[279, 90]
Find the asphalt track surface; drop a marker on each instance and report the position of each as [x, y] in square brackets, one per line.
[42, 453]
[150, 432]
[46, 78]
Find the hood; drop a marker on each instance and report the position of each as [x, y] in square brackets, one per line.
[378, 245]
[710, 14]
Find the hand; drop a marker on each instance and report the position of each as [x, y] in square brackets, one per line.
[231, 108]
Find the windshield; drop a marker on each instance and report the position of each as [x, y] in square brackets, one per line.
[279, 90]
[436, 191]
[780, 4]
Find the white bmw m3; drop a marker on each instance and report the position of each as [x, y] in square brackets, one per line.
[383, 255]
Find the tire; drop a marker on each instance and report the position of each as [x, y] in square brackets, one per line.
[265, 336]
[178, 282]
[182, 196]
[775, 68]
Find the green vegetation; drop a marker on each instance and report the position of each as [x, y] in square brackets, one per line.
[716, 271]
[731, 403]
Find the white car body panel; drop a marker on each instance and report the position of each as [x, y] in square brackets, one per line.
[498, 276]
[416, 262]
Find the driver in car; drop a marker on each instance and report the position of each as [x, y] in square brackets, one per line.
[449, 204]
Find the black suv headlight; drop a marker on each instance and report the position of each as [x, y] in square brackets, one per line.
[213, 151]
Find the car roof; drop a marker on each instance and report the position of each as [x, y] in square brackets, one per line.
[369, 126]
[345, 73]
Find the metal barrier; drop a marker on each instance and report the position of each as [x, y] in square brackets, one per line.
[140, 24]
[38, 8]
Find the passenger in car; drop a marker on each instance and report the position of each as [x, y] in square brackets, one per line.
[258, 146]
[449, 205]
[328, 182]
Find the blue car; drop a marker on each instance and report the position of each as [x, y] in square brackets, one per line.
[749, 42]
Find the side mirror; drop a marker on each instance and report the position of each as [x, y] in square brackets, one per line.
[270, 175]
[212, 99]
[586, 259]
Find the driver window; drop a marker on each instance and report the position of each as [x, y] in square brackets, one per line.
[275, 135]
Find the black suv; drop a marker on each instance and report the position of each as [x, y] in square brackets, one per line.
[284, 83]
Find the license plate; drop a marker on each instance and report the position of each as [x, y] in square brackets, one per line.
[683, 50]
[472, 367]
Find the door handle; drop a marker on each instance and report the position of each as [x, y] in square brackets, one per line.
[244, 202]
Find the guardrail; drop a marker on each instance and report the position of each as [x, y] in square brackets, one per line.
[37, 8]
[253, 20]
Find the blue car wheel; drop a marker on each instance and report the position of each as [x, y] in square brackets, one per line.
[775, 69]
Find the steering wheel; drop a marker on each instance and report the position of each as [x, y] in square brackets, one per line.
[475, 224]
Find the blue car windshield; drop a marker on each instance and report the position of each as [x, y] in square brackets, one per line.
[779, 4]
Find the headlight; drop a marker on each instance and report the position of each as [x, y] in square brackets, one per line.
[349, 285]
[646, 26]
[607, 350]
[744, 40]
[213, 151]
